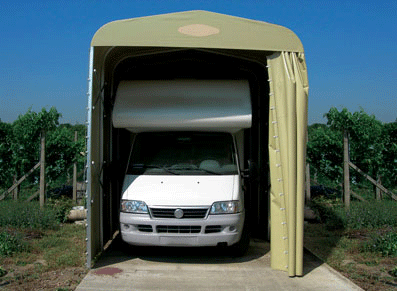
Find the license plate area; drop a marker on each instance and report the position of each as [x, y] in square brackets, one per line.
[178, 240]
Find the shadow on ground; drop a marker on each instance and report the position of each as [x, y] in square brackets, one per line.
[319, 241]
[119, 252]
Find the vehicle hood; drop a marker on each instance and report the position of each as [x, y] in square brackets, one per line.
[156, 190]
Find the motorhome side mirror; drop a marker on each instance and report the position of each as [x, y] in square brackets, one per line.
[253, 169]
[251, 172]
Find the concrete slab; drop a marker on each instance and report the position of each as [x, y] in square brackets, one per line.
[205, 269]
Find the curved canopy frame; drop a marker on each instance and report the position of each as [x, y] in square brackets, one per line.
[197, 29]
[261, 42]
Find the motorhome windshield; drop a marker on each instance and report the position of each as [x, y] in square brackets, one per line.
[182, 153]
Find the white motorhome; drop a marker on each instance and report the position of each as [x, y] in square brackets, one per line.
[184, 184]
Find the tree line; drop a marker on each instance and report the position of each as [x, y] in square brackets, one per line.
[20, 147]
[373, 148]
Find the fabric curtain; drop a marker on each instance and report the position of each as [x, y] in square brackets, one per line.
[287, 154]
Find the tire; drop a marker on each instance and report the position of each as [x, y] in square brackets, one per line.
[240, 248]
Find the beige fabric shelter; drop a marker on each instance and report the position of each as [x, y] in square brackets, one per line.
[197, 29]
[287, 148]
[261, 42]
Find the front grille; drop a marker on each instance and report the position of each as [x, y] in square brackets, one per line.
[178, 228]
[144, 228]
[192, 213]
[213, 228]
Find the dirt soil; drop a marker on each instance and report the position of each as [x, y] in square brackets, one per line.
[342, 251]
[27, 278]
[30, 271]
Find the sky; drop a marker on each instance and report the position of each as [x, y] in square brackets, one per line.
[350, 49]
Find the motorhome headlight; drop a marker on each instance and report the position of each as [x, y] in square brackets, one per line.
[134, 206]
[226, 207]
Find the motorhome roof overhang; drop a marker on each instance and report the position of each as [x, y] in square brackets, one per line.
[202, 105]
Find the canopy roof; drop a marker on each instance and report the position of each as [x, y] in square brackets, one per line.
[198, 29]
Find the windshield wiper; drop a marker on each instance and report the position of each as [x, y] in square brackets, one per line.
[209, 171]
[189, 167]
[142, 166]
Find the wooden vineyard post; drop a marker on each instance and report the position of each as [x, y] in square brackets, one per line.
[383, 189]
[346, 174]
[42, 169]
[75, 173]
[15, 191]
[13, 187]
[378, 192]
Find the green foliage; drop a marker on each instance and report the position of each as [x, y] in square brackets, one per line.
[25, 138]
[61, 152]
[325, 152]
[361, 215]
[366, 140]
[20, 147]
[10, 244]
[3, 272]
[6, 173]
[371, 215]
[27, 215]
[373, 147]
[384, 244]
[389, 171]
[326, 211]
[62, 207]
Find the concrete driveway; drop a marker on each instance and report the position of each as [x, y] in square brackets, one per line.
[205, 269]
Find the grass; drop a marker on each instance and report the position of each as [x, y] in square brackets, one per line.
[385, 244]
[361, 243]
[361, 215]
[50, 252]
[10, 243]
[17, 219]
[63, 248]
[27, 215]
[37, 247]
[344, 251]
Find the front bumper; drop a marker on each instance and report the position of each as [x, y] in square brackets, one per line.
[137, 229]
